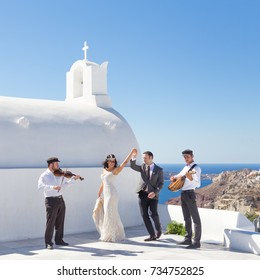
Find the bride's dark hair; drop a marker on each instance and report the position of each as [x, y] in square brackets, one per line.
[109, 157]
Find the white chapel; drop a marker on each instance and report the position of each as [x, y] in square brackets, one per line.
[81, 131]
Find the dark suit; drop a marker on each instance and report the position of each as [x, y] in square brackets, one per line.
[146, 186]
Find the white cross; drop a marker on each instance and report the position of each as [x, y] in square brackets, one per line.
[85, 48]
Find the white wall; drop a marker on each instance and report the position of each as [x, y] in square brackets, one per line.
[22, 214]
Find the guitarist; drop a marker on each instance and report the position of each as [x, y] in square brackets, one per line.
[190, 211]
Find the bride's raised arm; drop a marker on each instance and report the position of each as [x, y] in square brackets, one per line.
[123, 164]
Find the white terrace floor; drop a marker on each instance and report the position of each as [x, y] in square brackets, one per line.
[86, 246]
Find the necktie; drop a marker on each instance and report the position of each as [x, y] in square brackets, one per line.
[148, 172]
[148, 176]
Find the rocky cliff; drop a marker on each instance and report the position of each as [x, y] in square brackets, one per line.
[230, 190]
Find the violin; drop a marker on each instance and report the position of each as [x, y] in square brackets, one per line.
[67, 174]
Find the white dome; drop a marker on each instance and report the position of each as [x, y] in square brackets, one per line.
[79, 133]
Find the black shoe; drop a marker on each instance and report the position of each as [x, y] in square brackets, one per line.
[49, 246]
[185, 242]
[151, 238]
[158, 235]
[62, 243]
[193, 246]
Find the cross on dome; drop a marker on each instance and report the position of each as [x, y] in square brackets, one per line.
[85, 48]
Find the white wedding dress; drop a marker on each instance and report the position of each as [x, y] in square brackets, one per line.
[112, 229]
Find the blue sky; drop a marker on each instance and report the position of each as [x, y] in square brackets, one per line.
[184, 73]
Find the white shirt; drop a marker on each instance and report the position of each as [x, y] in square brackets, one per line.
[47, 181]
[188, 184]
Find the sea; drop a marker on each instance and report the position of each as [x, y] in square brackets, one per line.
[173, 169]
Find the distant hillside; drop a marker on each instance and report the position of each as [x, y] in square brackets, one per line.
[230, 190]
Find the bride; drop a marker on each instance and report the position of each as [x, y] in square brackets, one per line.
[109, 225]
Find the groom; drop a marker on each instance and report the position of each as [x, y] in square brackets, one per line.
[148, 192]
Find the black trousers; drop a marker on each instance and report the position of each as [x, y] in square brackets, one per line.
[148, 207]
[55, 215]
[190, 210]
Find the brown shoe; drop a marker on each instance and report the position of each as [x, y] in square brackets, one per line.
[151, 238]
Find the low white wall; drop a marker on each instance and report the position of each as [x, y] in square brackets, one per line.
[22, 214]
[214, 222]
[242, 240]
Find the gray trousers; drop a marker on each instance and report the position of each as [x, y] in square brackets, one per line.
[55, 215]
[148, 207]
[190, 210]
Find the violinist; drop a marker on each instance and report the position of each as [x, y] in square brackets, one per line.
[52, 186]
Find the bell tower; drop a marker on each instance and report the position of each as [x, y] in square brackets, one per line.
[87, 81]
